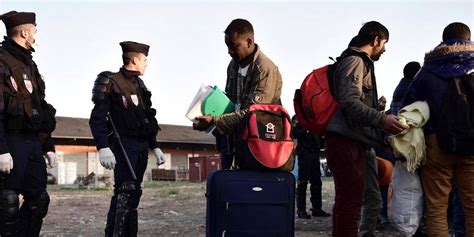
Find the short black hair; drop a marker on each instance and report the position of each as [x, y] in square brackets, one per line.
[456, 30]
[369, 31]
[410, 70]
[239, 26]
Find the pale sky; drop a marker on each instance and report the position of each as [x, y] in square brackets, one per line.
[79, 39]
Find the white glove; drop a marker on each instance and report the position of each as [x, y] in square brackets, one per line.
[107, 158]
[6, 163]
[50, 156]
[160, 157]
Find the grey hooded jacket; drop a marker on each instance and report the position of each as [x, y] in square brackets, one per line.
[354, 87]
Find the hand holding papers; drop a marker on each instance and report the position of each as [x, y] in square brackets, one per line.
[194, 109]
[204, 123]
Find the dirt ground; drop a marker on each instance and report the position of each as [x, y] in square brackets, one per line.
[166, 209]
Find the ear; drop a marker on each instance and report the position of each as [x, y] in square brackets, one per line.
[249, 42]
[376, 41]
[134, 60]
[24, 33]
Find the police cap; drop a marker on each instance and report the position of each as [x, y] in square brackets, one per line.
[14, 18]
[130, 46]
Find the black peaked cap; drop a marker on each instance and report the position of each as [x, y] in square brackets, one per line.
[130, 46]
[14, 18]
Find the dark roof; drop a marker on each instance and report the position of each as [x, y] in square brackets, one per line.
[78, 128]
[67, 127]
[184, 134]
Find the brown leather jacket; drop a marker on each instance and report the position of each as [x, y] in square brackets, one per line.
[261, 85]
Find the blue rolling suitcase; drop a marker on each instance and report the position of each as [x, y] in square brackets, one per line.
[248, 203]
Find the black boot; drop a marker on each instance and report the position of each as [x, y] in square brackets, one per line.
[303, 214]
[121, 215]
[32, 212]
[133, 223]
[109, 226]
[133, 215]
[126, 217]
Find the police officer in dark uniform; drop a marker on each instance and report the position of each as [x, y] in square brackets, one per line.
[26, 124]
[307, 149]
[123, 109]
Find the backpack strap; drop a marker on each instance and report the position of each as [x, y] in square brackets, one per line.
[124, 87]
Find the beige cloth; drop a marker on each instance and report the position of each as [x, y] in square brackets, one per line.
[410, 143]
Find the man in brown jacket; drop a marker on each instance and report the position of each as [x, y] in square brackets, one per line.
[252, 78]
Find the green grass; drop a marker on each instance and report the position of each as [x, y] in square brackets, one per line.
[180, 190]
[76, 189]
[173, 191]
[165, 184]
[168, 184]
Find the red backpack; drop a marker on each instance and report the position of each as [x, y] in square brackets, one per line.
[313, 102]
[265, 141]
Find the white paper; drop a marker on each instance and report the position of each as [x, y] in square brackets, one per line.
[194, 109]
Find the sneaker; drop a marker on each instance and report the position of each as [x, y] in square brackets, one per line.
[303, 215]
[320, 213]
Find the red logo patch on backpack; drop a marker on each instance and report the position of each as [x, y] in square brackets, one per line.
[313, 102]
[265, 139]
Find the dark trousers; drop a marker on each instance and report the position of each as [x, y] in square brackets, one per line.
[309, 171]
[223, 148]
[347, 160]
[28, 177]
[137, 151]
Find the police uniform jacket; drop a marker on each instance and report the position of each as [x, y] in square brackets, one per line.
[23, 109]
[132, 114]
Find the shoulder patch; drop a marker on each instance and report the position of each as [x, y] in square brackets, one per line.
[258, 98]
